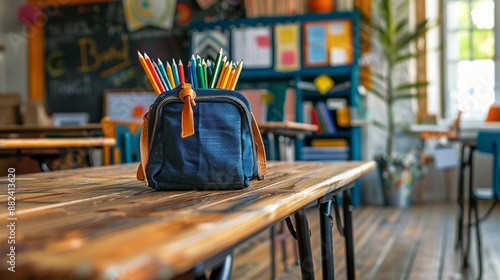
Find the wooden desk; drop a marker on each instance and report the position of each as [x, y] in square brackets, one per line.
[82, 130]
[18, 146]
[55, 143]
[284, 131]
[101, 222]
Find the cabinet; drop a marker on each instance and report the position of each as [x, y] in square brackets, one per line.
[311, 64]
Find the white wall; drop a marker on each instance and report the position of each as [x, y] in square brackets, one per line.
[15, 55]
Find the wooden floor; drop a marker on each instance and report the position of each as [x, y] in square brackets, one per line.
[390, 243]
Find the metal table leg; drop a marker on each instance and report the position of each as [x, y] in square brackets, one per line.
[348, 231]
[326, 224]
[304, 244]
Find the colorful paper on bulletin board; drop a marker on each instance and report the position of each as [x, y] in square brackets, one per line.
[207, 43]
[340, 42]
[286, 51]
[315, 47]
[159, 13]
[253, 45]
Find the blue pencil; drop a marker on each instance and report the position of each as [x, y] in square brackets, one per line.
[193, 75]
[157, 68]
[190, 73]
[176, 74]
[164, 74]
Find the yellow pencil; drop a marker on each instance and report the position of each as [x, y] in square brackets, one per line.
[149, 74]
[227, 75]
[170, 75]
[222, 74]
[236, 75]
[230, 78]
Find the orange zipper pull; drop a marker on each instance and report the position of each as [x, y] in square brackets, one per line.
[187, 94]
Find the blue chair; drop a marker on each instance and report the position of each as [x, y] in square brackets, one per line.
[127, 134]
[488, 142]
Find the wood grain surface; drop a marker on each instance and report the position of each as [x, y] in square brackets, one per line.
[55, 143]
[101, 223]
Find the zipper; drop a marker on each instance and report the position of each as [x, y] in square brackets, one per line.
[170, 98]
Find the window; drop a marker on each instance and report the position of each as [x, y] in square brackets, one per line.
[470, 70]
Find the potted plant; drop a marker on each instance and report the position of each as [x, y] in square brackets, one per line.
[394, 43]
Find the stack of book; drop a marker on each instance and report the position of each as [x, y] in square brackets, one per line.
[326, 149]
[269, 8]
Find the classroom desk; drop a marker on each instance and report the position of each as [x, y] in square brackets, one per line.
[34, 144]
[55, 143]
[78, 130]
[285, 132]
[101, 222]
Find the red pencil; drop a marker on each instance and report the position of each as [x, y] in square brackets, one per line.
[153, 71]
[180, 69]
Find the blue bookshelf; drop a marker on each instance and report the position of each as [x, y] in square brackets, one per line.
[340, 74]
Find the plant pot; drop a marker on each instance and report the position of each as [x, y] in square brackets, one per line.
[397, 184]
[399, 197]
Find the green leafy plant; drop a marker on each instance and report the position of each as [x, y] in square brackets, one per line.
[390, 31]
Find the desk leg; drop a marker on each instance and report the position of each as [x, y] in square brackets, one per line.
[304, 244]
[326, 224]
[223, 272]
[460, 196]
[348, 231]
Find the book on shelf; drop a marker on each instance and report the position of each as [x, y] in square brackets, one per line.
[325, 153]
[325, 117]
[329, 142]
[269, 8]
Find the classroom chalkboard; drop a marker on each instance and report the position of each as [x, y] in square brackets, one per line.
[89, 50]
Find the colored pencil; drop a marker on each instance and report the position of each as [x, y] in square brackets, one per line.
[237, 75]
[190, 74]
[227, 75]
[222, 75]
[170, 75]
[164, 75]
[216, 70]
[148, 74]
[157, 69]
[180, 69]
[176, 74]
[205, 74]
[194, 80]
[155, 74]
[201, 79]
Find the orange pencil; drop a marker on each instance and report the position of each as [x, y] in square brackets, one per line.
[155, 75]
[236, 75]
[222, 75]
[149, 74]
[180, 69]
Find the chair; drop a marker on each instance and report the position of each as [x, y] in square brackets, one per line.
[488, 142]
[127, 134]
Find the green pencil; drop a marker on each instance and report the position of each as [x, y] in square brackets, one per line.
[216, 70]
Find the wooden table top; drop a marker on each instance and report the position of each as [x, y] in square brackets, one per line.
[102, 223]
[287, 128]
[55, 143]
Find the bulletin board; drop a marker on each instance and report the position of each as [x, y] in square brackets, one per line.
[328, 43]
[128, 105]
